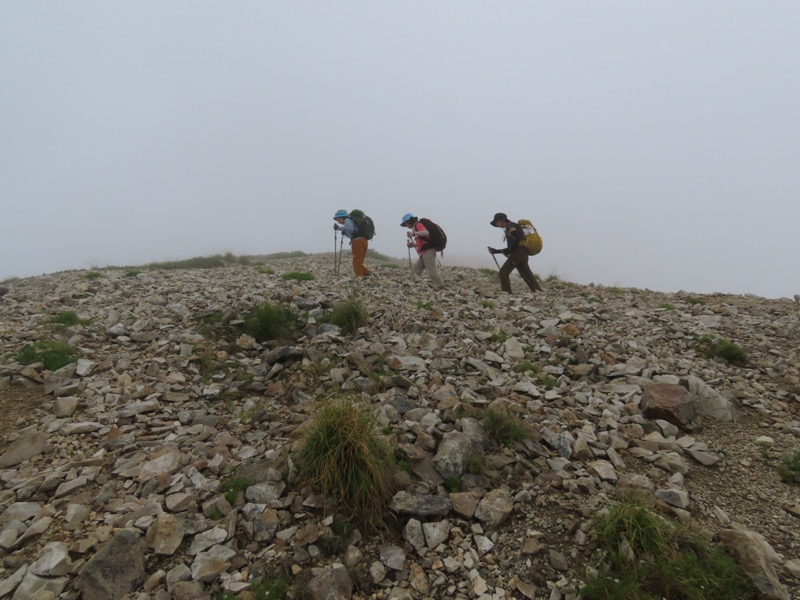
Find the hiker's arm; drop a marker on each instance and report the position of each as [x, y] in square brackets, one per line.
[420, 231]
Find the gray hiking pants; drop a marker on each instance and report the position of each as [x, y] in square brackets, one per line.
[427, 262]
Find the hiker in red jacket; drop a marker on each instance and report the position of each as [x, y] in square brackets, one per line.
[516, 254]
[418, 238]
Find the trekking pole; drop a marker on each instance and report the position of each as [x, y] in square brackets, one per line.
[339, 264]
[495, 261]
[335, 266]
[409, 257]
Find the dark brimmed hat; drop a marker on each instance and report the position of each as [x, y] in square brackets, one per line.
[499, 217]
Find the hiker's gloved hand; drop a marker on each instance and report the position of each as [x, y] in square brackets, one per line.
[491, 250]
[409, 234]
[336, 227]
[410, 244]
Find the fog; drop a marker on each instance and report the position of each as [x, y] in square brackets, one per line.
[653, 145]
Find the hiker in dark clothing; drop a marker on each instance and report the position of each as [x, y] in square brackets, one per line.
[516, 254]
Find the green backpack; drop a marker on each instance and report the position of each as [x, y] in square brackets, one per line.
[366, 228]
[533, 241]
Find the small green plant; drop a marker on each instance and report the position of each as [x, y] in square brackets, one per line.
[232, 486]
[503, 428]
[52, 354]
[487, 304]
[476, 464]
[525, 367]
[647, 557]
[548, 381]
[199, 262]
[695, 300]
[132, 272]
[67, 318]
[343, 457]
[389, 265]
[498, 337]
[452, 484]
[271, 322]
[424, 305]
[488, 272]
[349, 316]
[552, 277]
[299, 276]
[265, 271]
[93, 275]
[667, 306]
[712, 347]
[789, 468]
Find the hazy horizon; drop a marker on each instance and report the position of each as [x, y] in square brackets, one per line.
[653, 145]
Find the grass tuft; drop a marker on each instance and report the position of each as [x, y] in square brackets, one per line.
[789, 468]
[67, 318]
[349, 316]
[271, 322]
[503, 428]
[647, 557]
[299, 276]
[232, 486]
[712, 347]
[344, 458]
[93, 275]
[51, 353]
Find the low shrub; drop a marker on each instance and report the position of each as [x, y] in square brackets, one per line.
[292, 254]
[789, 468]
[52, 354]
[349, 316]
[646, 557]
[498, 337]
[232, 486]
[712, 347]
[344, 458]
[271, 322]
[67, 318]
[93, 275]
[299, 276]
[503, 428]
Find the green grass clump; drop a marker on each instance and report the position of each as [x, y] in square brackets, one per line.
[93, 275]
[232, 486]
[51, 353]
[198, 262]
[299, 276]
[424, 305]
[548, 381]
[349, 316]
[789, 468]
[667, 306]
[265, 271]
[67, 318]
[271, 322]
[498, 337]
[712, 347]
[503, 428]
[388, 265]
[452, 484]
[525, 367]
[132, 272]
[648, 558]
[487, 304]
[695, 300]
[344, 458]
[488, 272]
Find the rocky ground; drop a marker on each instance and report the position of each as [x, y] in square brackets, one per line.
[112, 467]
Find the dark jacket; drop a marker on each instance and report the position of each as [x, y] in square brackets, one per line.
[514, 236]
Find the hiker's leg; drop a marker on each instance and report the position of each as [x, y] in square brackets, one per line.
[505, 275]
[417, 269]
[429, 258]
[364, 268]
[524, 269]
[359, 247]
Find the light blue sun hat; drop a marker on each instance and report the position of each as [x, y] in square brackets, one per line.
[340, 214]
[406, 218]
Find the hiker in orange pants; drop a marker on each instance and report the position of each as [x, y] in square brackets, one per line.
[358, 244]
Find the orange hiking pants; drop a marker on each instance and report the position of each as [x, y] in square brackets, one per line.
[359, 254]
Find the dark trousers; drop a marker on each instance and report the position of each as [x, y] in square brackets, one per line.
[518, 260]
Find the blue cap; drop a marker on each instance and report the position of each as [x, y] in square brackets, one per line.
[406, 218]
[340, 213]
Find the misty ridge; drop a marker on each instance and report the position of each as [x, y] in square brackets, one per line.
[260, 427]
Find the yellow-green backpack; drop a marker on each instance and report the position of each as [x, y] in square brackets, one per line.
[533, 241]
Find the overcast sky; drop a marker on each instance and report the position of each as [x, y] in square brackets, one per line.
[654, 144]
